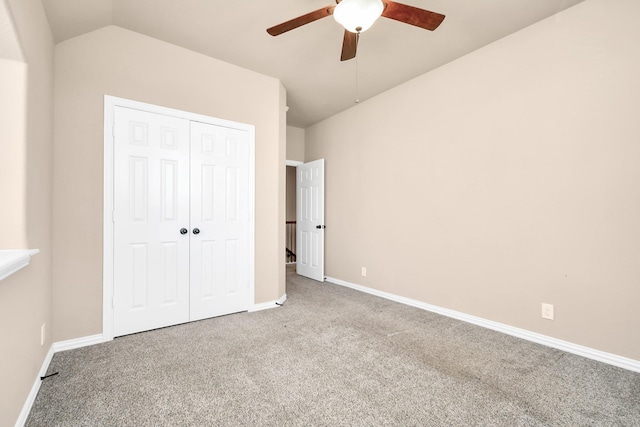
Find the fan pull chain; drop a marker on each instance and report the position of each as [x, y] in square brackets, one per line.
[357, 100]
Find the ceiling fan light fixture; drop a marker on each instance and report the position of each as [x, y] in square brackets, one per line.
[357, 16]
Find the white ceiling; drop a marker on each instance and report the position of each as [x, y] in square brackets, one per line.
[307, 59]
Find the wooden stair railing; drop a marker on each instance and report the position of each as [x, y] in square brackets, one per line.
[290, 242]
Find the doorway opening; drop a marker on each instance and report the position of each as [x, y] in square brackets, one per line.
[290, 239]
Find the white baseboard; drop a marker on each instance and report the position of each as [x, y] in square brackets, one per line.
[590, 353]
[267, 305]
[55, 347]
[77, 343]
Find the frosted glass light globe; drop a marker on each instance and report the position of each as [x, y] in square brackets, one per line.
[358, 15]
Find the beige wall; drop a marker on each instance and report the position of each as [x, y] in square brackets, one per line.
[295, 144]
[295, 152]
[13, 102]
[26, 109]
[9, 45]
[278, 266]
[121, 63]
[519, 166]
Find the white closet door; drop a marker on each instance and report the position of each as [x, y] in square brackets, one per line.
[310, 220]
[151, 205]
[220, 220]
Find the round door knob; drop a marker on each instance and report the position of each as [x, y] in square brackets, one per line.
[196, 231]
[183, 231]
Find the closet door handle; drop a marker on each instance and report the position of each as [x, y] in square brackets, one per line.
[196, 231]
[183, 231]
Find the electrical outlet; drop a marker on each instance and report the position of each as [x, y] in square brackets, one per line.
[547, 311]
[364, 272]
[42, 333]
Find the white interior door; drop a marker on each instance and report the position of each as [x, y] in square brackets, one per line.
[151, 205]
[220, 220]
[310, 220]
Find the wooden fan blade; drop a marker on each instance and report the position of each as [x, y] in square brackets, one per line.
[301, 20]
[349, 45]
[412, 15]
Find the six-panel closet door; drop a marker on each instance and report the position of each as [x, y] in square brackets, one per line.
[220, 214]
[181, 220]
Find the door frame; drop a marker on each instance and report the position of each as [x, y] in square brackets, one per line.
[110, 102]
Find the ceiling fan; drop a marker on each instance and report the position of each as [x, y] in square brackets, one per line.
[357, 16]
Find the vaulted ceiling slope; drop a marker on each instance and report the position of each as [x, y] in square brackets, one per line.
[307, 59]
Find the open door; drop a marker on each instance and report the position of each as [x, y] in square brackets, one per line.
[310, 220]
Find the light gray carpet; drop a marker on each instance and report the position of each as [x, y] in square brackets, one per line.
[332, 356]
